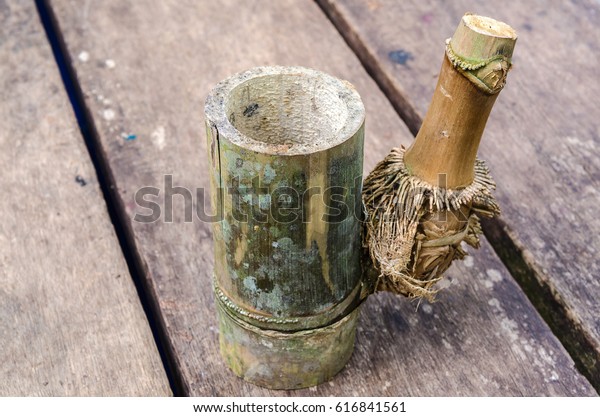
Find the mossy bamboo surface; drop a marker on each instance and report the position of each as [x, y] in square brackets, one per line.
[286, 151]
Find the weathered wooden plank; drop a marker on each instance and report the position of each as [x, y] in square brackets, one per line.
[541, 141]
[70, 319]
[145, 71]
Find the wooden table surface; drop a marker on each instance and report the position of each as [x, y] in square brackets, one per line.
[100, 99]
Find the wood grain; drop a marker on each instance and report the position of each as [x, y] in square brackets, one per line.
[70, 319]
[482, 338]
[541, 141]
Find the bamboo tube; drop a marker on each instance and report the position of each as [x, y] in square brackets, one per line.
[424, 202]
[286, 151]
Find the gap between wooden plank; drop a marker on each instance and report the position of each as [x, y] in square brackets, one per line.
[108, 189]
[71, 322]
[508, 247]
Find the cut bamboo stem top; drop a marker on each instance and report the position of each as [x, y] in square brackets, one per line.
[473, 73]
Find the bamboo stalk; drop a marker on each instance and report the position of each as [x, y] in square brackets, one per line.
[447, 143]
[422, 203]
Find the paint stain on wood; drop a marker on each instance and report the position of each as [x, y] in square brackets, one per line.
[80, 180]
[400, 56]
[427, 18]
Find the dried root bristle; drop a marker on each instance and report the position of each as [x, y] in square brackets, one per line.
[414, 230]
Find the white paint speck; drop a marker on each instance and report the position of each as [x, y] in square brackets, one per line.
[469, 262]
[110, 64]
[427, 309]
[545, 356]
[446, 283]
[84, 56]
[108, 114]
[511, 328]
[494, 302]
[538, 243]
[159, 137]
[494, 275]
[572, 140]
[589, 144]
